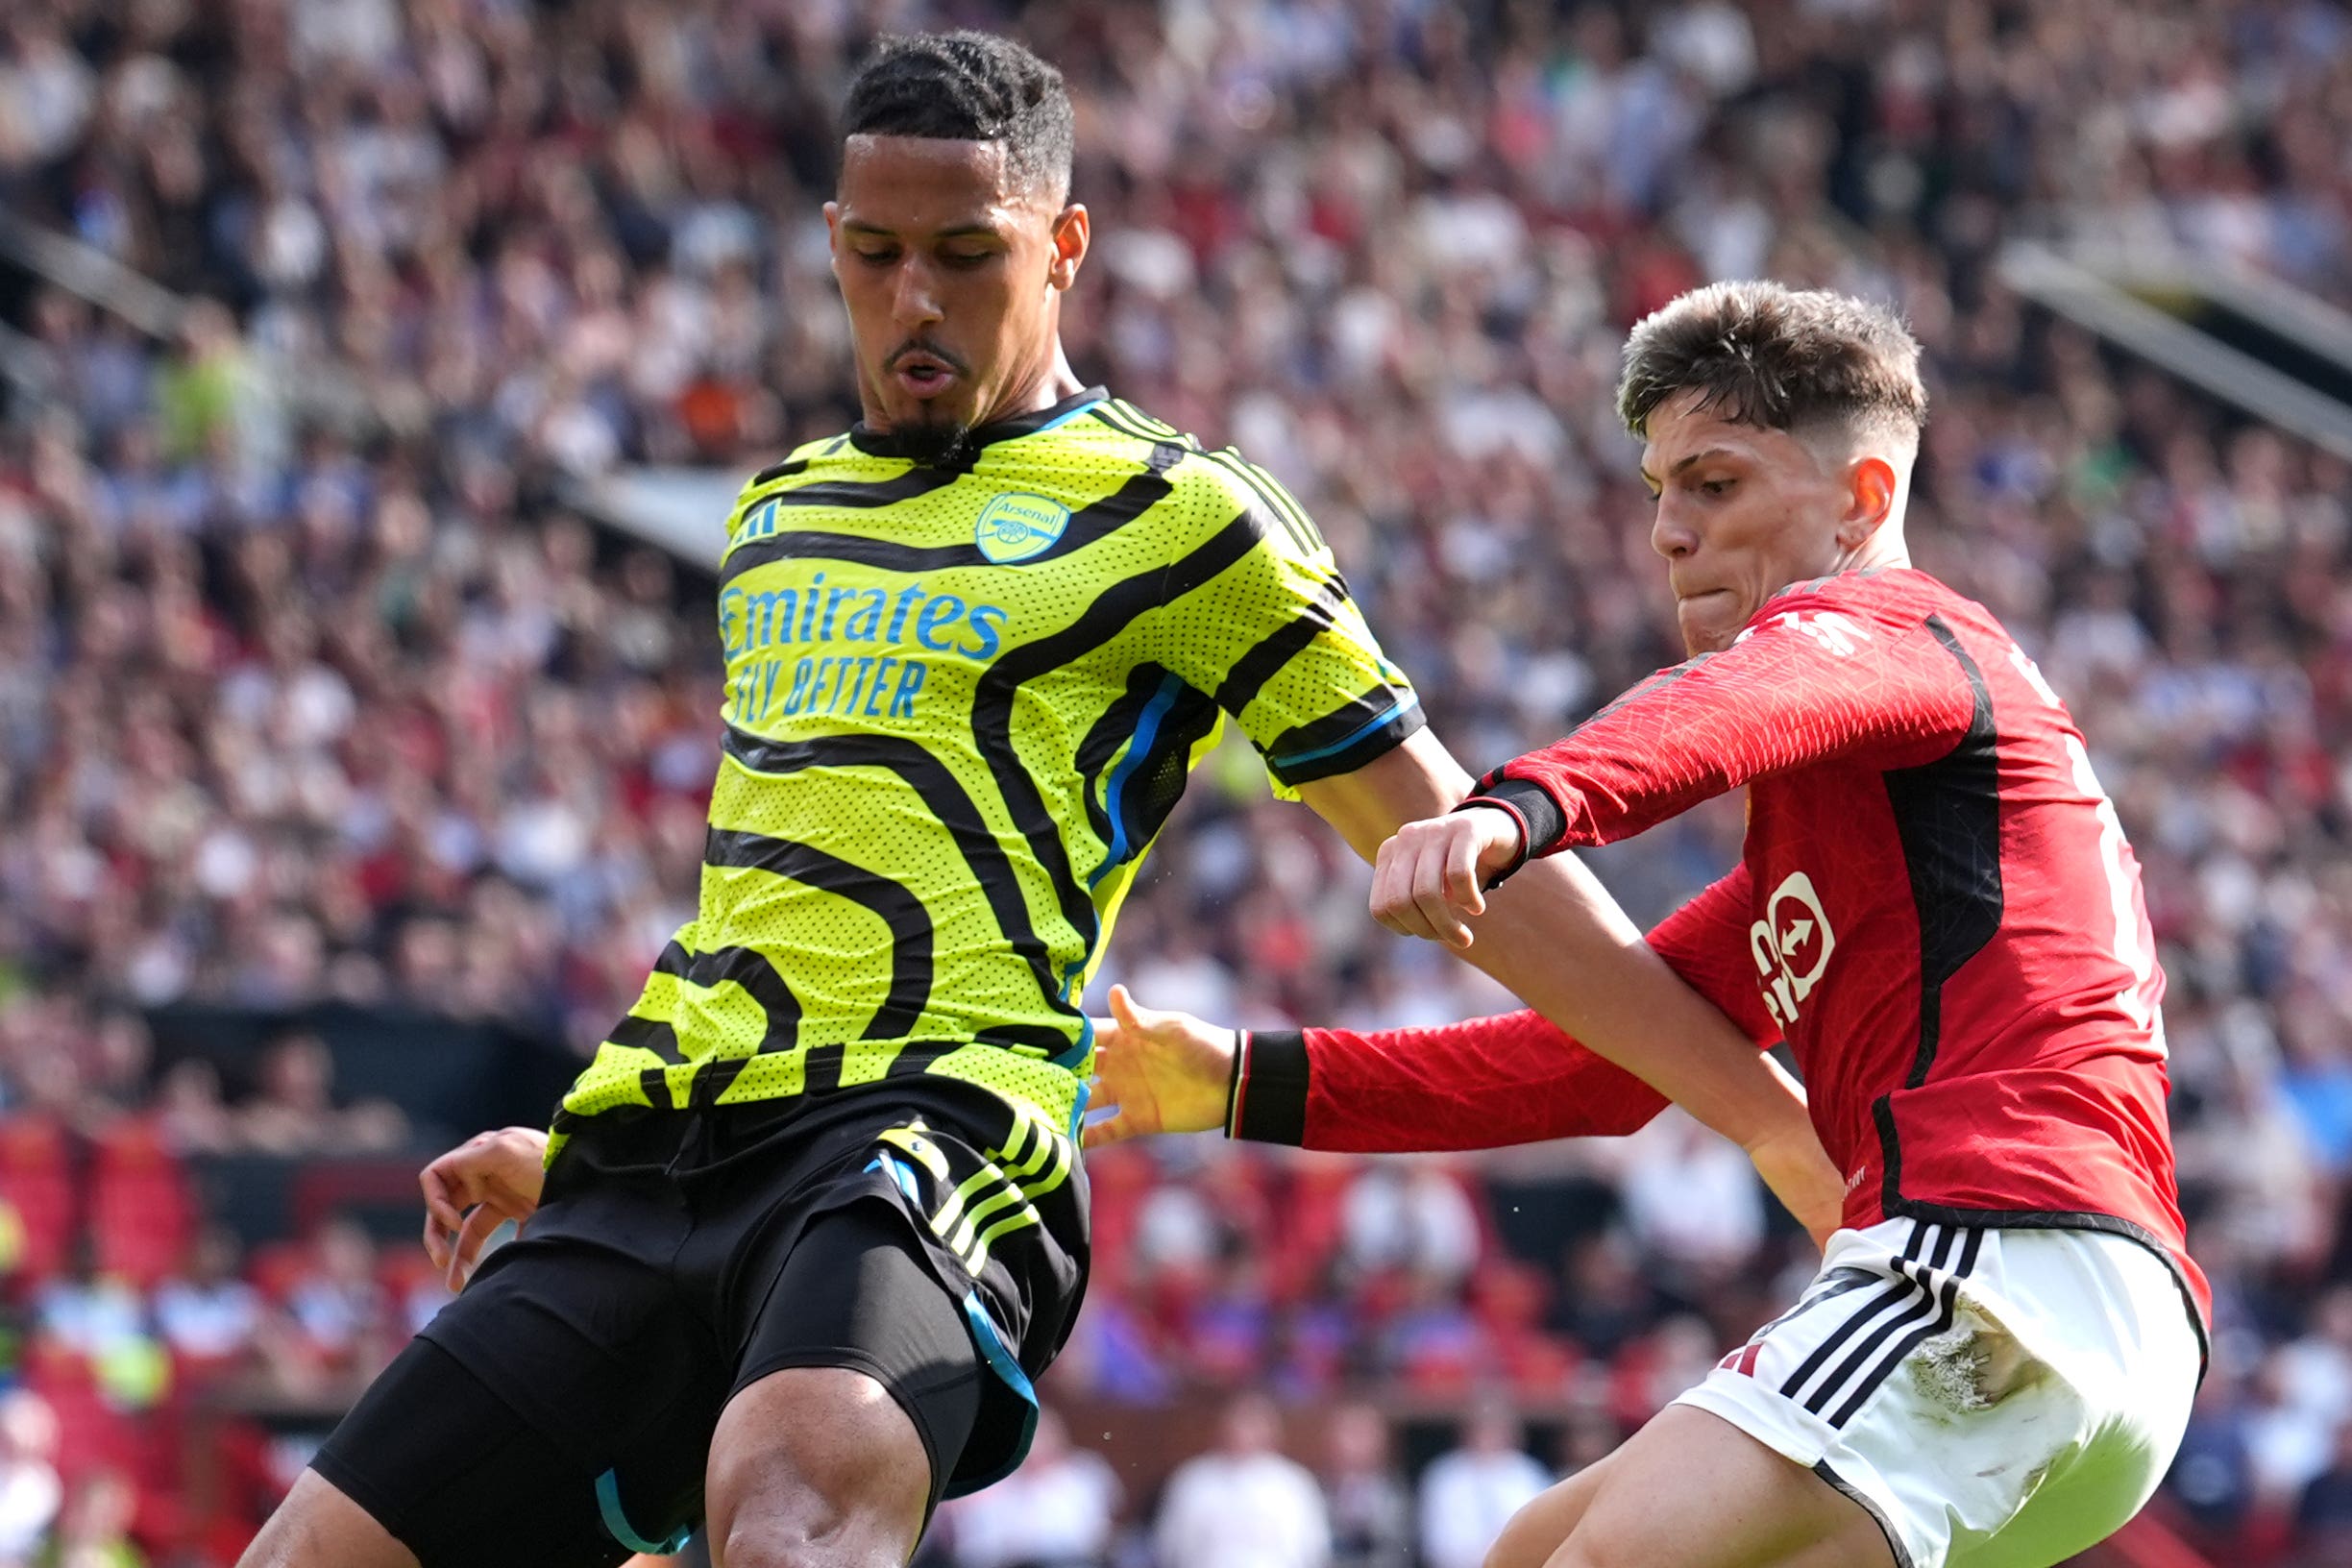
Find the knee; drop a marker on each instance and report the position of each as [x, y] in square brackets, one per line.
[815, 1468]
[797, 1527]
[757, 1544]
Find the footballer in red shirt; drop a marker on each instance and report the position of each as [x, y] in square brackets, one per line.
[1937, 910]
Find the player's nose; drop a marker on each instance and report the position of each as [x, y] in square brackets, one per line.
[914, 297]
[1670, 537]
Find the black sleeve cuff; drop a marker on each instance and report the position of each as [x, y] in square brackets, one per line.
[1545, 822]
[1268, 1103]
[1312, 751]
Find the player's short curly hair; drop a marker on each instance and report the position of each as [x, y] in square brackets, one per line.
[1782, 358]
[968, 86]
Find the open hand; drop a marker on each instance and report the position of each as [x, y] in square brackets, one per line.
[1166, 1072]
[474, 1188]
[1431, 875]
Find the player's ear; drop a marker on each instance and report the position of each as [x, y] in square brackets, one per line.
[1870, 491]
[1072, 230]
[832, 212]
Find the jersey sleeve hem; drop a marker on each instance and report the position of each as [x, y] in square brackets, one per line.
[1269, 1090]
[1384, 732]
[1540, 816]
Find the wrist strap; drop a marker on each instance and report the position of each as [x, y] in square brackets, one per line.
[1237, 1082]
[1543, 821]
[1495, 802]
[1270, 1081]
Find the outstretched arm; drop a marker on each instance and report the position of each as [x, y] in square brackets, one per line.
[1556, 939]
[1485, 1082]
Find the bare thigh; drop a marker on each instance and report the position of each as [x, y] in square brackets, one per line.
[815, 1467]
[1690, 1490]
[1537, 1530]
[318, 1527]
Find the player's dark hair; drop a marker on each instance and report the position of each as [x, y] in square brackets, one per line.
[968, 86]
[1779, 359]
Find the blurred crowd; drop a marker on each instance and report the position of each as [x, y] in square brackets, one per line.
[314, 684]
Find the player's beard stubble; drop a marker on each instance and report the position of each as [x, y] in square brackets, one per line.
[941, 445]
[933, 438]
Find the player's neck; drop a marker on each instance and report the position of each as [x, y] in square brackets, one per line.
[1884, 550]
[1053, 382]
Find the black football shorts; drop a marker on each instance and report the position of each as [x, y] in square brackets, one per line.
[560, 1410]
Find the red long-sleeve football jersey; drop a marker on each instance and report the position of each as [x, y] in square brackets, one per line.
[1935, 906]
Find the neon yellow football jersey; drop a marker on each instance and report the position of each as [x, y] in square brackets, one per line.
[960, 702]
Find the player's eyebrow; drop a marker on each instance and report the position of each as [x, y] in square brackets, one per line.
[960, 230]
[1655, 483]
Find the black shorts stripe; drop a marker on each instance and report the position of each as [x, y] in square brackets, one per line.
[909, 922]
[1828, 1288]
[1948, 1304]
[1920, 1274]
[1896, 1290]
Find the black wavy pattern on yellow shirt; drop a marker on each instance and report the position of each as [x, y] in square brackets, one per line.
[1110, 614]
[945, 800]
[1139, 494]
[909, 922]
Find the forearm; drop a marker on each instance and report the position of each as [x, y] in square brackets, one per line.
[1555, 938]
[1481, 1083]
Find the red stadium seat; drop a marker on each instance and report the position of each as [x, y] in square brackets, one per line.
[36, 1182]
[92, 1434]
[142, 1211]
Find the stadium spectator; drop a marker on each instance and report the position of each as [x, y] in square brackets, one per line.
[210, 1317]
[95, 1529]
[314, 684]
[2323, 1513]
[335, 1313]
[1057, 1510]
[294, 1113]
[1244, 1503]
[1371, 1513]
[1470, 1493]
[30, 1492]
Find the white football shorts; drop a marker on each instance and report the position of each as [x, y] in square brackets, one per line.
[1994, 1398]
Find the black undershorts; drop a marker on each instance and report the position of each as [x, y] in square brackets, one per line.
[560, 1410]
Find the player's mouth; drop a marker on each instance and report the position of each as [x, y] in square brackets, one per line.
[921, 374]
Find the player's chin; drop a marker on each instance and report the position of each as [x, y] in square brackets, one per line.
[1709, 621]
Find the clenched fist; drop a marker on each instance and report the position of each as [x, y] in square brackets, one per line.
[1432, 876]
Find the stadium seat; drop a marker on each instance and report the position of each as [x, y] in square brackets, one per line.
[142, 1211]
[36, 1182]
